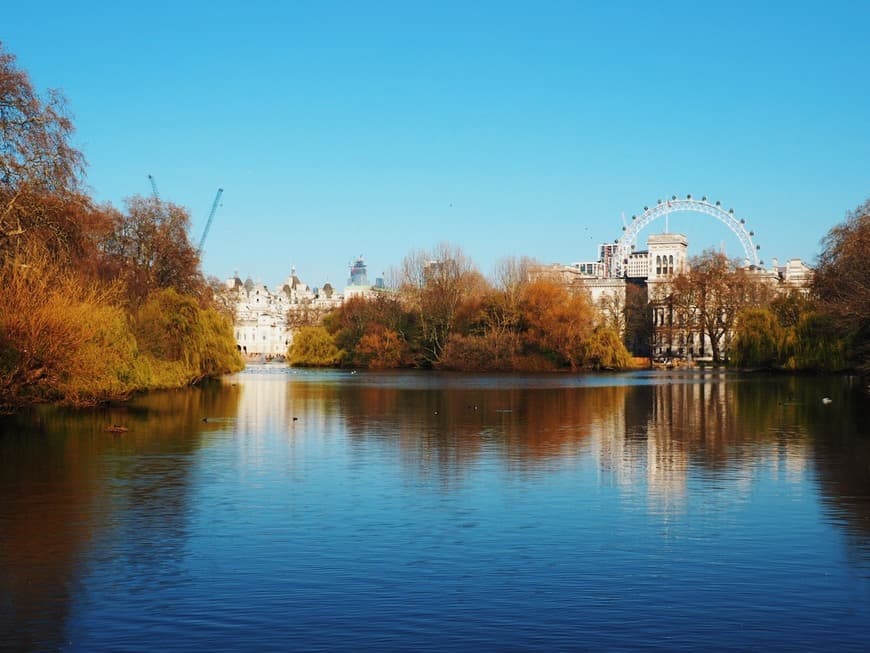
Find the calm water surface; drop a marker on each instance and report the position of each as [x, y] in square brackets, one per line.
[299, 510]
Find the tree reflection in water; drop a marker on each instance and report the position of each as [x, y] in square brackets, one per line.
[78, 501]
[70, 489]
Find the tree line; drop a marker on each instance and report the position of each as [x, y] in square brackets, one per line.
[95, 302]
[827, 329]
[444, 314]
[750, 322]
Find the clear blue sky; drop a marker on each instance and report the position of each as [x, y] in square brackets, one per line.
[377, 128]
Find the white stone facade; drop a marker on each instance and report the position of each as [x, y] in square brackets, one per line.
[667, 256]
[264, 319]
[261, 323]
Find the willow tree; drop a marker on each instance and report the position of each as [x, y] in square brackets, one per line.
[758, 339]
[313, 346]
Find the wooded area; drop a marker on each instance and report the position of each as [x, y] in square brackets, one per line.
[96, 302]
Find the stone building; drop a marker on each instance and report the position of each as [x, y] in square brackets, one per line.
[265, 319]
[261, 322]
[666, 257]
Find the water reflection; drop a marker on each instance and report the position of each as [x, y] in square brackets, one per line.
[70, 490]
[87, 516]
[452, 428]
[646, 432]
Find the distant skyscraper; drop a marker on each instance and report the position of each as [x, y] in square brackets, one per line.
[358, 276]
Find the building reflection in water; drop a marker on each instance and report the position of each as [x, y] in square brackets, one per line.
[646, 435]
[704, 424]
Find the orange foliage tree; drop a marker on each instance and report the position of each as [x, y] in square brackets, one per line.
[435, 284]
[558, 323]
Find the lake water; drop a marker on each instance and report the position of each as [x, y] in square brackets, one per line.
[325, 510]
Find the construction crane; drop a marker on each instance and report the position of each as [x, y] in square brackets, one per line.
[214, 207]
[154, 187]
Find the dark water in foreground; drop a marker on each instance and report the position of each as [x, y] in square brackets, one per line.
[337, 511]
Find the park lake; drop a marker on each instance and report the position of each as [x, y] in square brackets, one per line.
[286, 509]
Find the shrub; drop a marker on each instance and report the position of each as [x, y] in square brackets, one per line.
[475, 353]
[313, 346]
[61, 340]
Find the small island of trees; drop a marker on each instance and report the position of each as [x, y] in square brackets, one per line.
[446, 315]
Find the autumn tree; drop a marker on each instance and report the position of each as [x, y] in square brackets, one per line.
[39, 169]
[558, 322]
[148, 248]
[373, 331]
[60, 338]
[222, 298]
[382, 348]
[505, 302]
[790, 306]
[611, 307]
[435, 284]
[94, 303]
[492, 319]
[708, 297]
[306, 314]
[842, 282]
